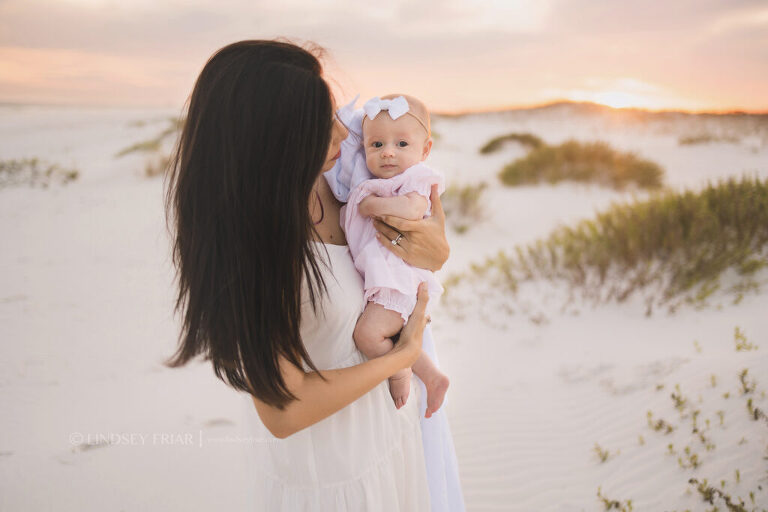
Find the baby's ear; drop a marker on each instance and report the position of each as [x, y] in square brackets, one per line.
[427, 148]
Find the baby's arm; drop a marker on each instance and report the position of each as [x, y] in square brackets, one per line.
[411, 206]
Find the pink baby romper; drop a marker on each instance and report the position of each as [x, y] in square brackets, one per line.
[389, 280]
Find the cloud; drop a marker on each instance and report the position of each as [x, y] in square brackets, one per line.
[453, 53]
[71, 76]
[107, 25]
[117, 29]
[604, 16]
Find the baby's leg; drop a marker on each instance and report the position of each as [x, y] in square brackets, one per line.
[373, 336]
[434, 380]
[375, 328]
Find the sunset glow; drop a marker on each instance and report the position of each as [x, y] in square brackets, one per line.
[622, 99]
[459, 55]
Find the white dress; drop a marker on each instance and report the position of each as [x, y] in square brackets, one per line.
[367, 456]
[439, 454]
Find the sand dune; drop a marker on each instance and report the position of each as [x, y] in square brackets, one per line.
[92, 421]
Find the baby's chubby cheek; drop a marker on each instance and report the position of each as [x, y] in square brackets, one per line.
[372, 163]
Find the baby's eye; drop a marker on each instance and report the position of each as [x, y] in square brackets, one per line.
[402, 143]
[376, 144]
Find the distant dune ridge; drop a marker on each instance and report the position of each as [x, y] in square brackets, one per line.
[587, 109]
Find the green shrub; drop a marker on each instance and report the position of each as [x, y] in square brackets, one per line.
[593, 162]
[677, 245]
[157, 162]
[146, 146]
[33, 172]
[462, 205]
[528, 140]
[153, 145]
[156, 166]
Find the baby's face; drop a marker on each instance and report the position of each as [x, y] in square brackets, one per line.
[392, 146]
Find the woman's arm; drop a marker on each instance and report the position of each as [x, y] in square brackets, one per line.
[423, 244]
[318, 399]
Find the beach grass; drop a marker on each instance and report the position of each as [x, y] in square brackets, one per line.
[593, 162]
[34, 172]
[156, 166]
[698, 423]
[145, 146]
[154, 144]
[528, 140]
[675, 247]
[157, 161]
[463, 206]
[696, 452]
[706, 138]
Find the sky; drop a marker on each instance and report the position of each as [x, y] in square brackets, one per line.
[456, 55]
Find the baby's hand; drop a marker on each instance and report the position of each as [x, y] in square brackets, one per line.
[411, 206]
[366, 206]
[423, 243]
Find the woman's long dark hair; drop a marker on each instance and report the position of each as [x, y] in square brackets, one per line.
[255, 139]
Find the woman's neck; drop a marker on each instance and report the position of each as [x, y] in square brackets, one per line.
[324, 209]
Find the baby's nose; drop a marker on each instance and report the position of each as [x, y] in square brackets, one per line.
[388, 151]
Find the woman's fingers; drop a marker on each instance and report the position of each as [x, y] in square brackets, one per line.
[423, 244]
[417, 317]
[437, 205]
[422, 297]
[413, 330]
[386, 234]
[385, 230]
[399, 224]
[395, 248]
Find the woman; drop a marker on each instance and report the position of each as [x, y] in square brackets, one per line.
[269, 292]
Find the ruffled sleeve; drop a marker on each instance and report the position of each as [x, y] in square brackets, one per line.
[420, 178]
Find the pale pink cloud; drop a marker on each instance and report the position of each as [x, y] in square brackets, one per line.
[455, 54]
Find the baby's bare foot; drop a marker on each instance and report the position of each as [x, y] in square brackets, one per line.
[400, 386]
[436, 388]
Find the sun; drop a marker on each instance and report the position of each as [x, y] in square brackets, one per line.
[617, 99]
[624, 92]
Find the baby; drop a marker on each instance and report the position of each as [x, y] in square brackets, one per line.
[396, 138]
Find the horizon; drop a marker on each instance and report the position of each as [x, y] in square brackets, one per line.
[458, 112]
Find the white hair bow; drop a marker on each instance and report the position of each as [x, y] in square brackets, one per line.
[396, 107]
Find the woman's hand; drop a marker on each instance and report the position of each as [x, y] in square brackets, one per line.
[423, 243]
[409, 343]
[318, 398]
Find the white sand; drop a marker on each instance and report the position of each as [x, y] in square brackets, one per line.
[85, 318]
